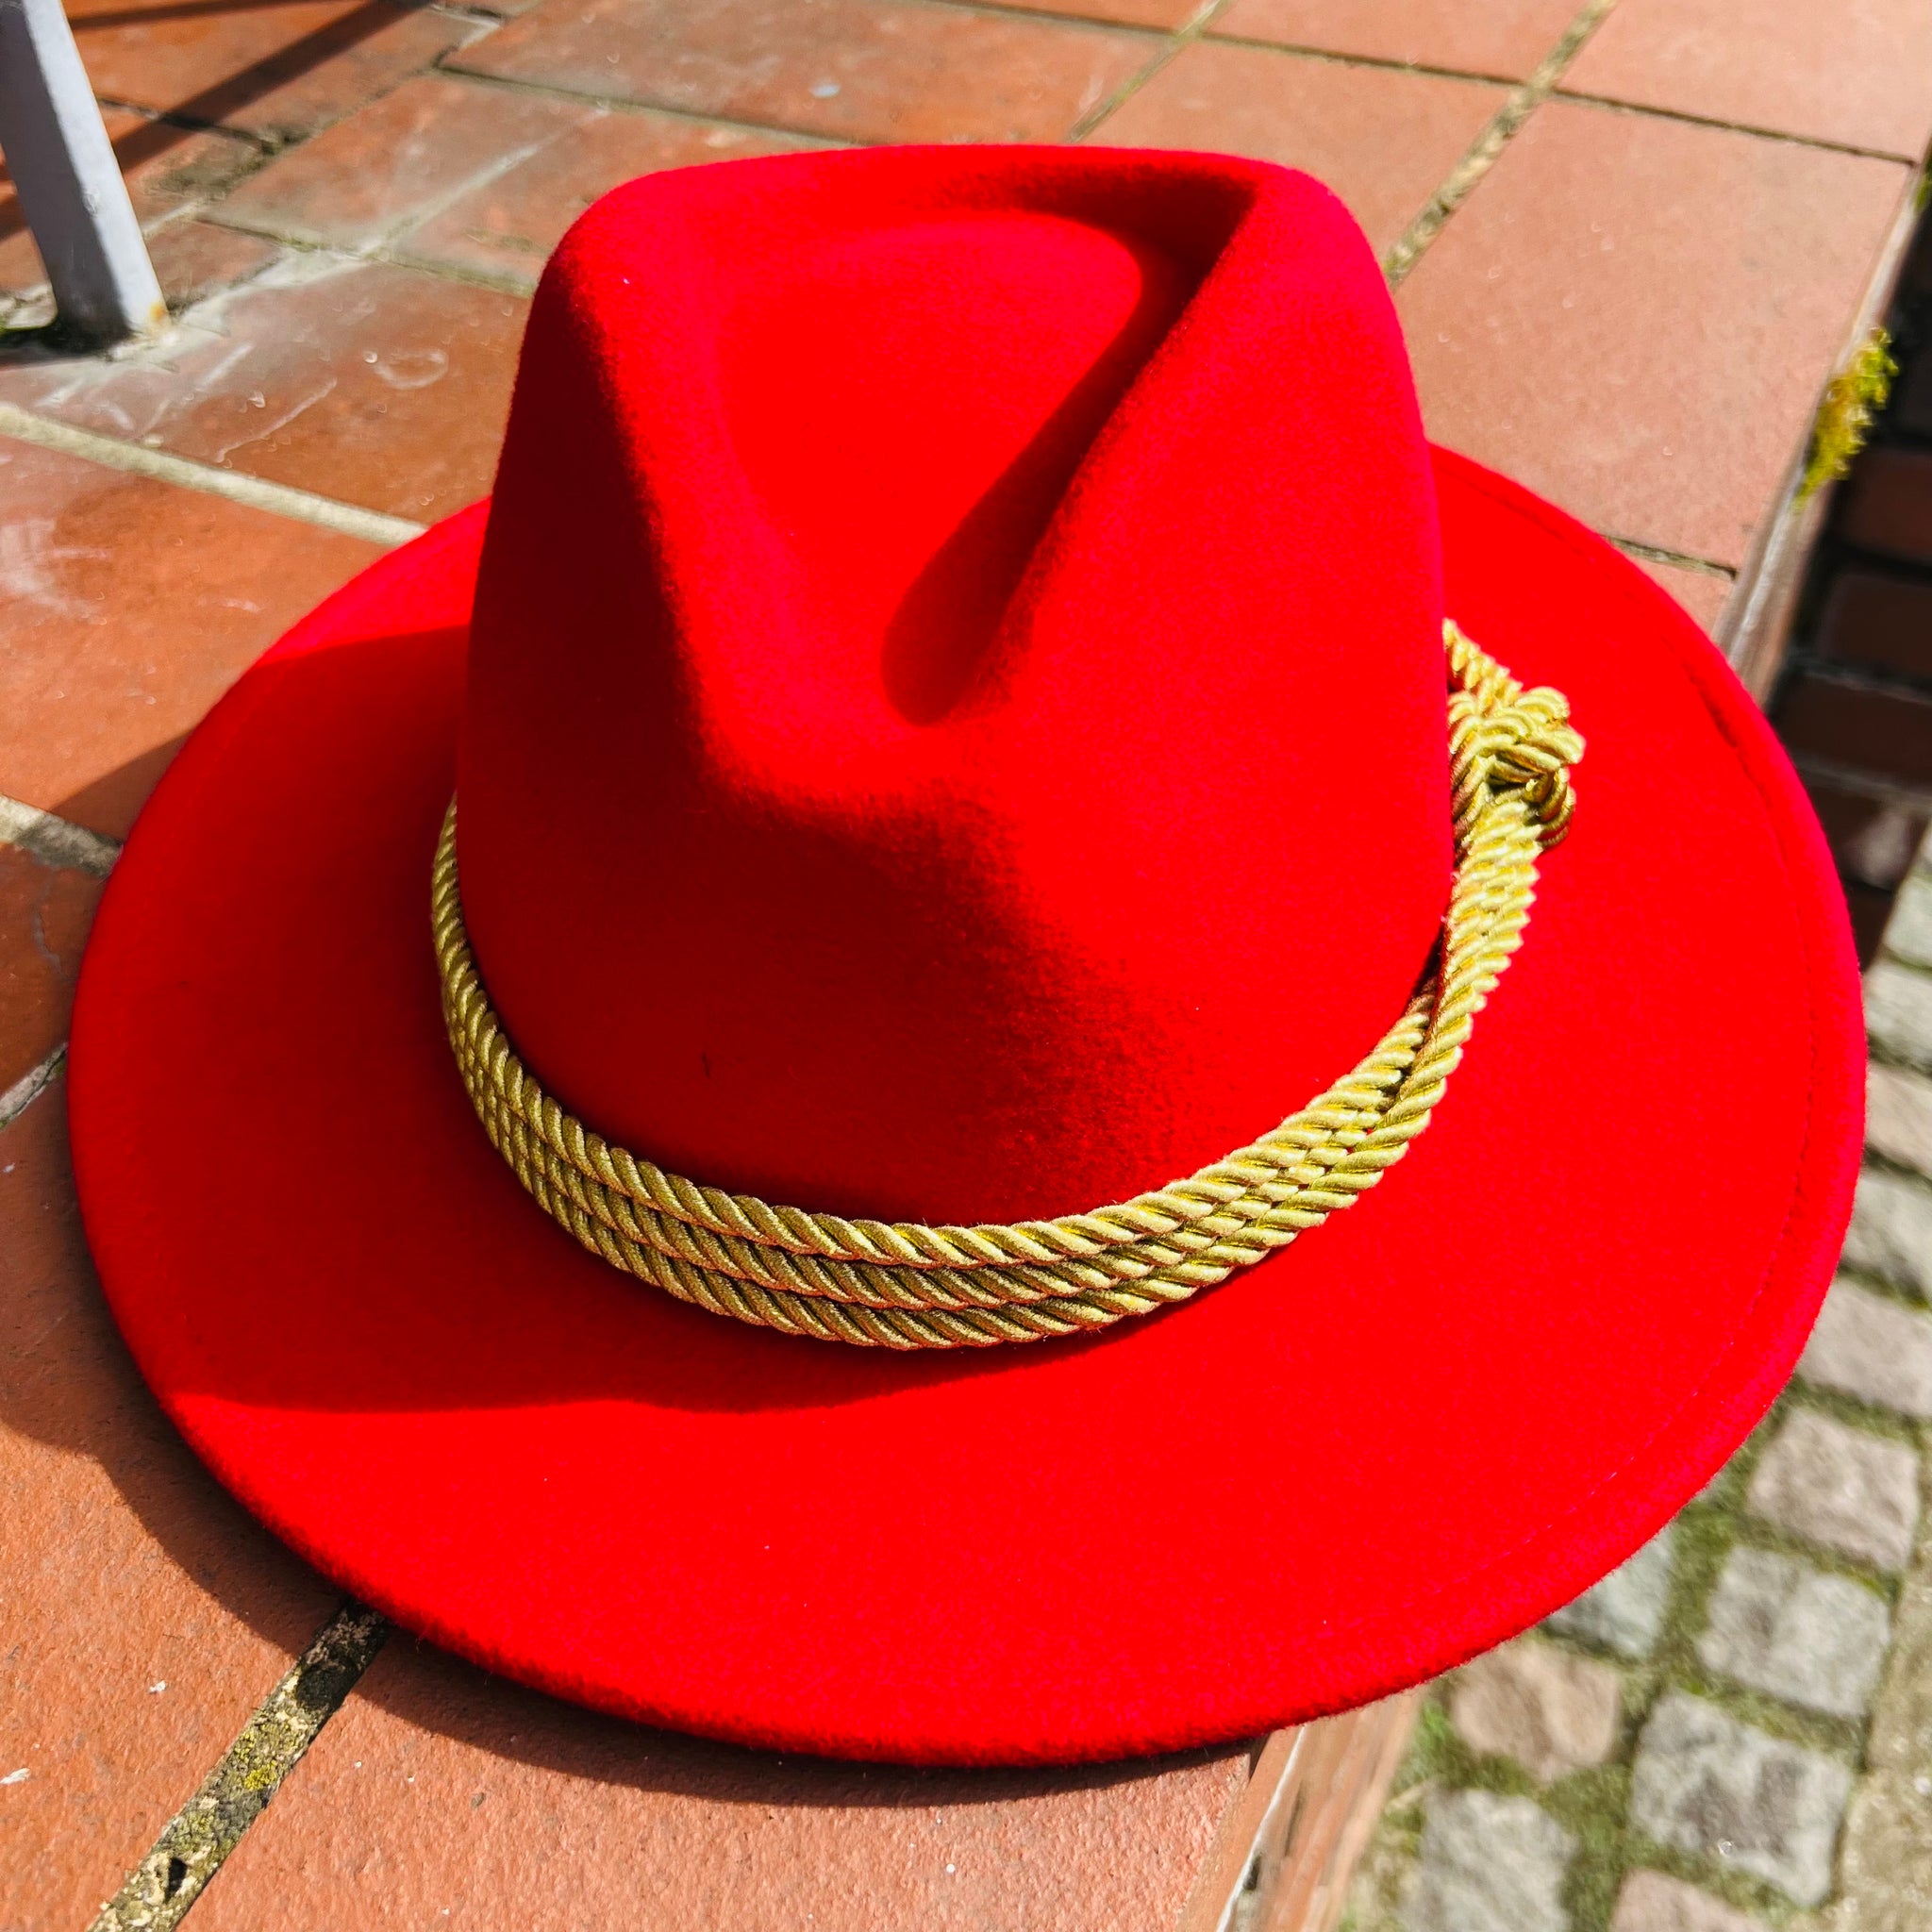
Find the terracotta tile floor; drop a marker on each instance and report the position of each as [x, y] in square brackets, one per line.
[418, 1800]
[1631, 299]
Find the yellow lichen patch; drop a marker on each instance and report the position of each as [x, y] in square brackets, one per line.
[1851, 399]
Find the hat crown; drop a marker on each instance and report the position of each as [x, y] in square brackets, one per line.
[955, 721]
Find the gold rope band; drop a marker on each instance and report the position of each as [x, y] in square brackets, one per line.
[905, 1285]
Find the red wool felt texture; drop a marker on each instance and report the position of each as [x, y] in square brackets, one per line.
[930, 664]
[1028, 791]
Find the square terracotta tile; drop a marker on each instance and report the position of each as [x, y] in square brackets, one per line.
[145, 1616]
[1497, 36]
[853, 70]
[459, 173]
[1635, 316]
[1383, 141]
[280, 69]
[193, 260]
[1703, 593]
[1857, 71]
[164, 168]
[505, 227]
[376, 385]
[440, 1796]
[44, 914]
[399, 159]
[131, 607]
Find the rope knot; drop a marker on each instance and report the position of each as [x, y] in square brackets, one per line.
[1506, 741]
[905, 1285]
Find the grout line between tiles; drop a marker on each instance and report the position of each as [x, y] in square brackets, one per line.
[1331, 56]
[1008, 11]
[31, 1085]
[282, 499]
[1183, 37]
[1168, 42]
[186, 124]
[55, 840]
[1085, 22]
[1678, 560]
[1777, 134]
[194, 1843]
[623, 104]
[1522, 102]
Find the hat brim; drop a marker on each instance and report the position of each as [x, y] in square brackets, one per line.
[1405, 1437]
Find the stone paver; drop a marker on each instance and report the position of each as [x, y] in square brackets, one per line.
[1909, 935]
[1703, 593]
[1505, 37]
[1841, 1487]
[852, 69]
[279, 73]
[1852, 72]
[130, 608]
[1705, 1783]
[1558, 325]
[193, 260]
[1314, 115]
[375, 385]
[1898, 1013]
[1814, 1639]
[1550, 1711]
[1488, 1864]
[1654, 1902]
[45, 911]
[1890, 1235]
[1166, 15]
[164, 168]
[1887, 1860]
[440, 1796]
[450, 173]
[400, 159]
[505, 227]
[142, 1617]
[1869, 1346]
[1625, 1611]
[1898, 1116]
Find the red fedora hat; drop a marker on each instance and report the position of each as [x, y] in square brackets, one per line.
[950, 736]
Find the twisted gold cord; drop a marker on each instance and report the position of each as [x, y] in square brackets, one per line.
[905, 1285]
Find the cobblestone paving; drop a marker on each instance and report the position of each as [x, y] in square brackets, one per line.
[1733, 1732]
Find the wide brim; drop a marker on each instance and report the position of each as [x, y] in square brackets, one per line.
[1408, 1437]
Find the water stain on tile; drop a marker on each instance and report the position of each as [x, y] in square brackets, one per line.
[376, 385]
[129, 607]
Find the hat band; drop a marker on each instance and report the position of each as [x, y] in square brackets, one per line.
[905, 1285]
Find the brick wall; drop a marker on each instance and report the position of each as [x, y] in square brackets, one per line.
[1854, 701]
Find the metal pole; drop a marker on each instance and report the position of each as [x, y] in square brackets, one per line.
[68, 180]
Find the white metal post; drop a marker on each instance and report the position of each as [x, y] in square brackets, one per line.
[68, 180]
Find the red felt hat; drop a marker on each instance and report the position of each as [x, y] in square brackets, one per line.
[947, 706]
